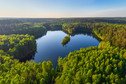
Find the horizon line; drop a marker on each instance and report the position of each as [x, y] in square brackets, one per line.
[67, 17]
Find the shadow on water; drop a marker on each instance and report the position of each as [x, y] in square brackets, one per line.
[89, 33]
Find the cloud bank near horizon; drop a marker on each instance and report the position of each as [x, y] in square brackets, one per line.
[62, 8]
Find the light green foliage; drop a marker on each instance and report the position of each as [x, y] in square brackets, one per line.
[15, 72]
[103, 44]
[93, 65]
[114, 33]
[65, 40]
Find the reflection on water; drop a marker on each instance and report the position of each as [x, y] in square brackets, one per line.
[49, 47]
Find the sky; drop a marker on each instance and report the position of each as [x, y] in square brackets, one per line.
[62, 8]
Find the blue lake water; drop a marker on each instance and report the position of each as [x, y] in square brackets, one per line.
[49, 47]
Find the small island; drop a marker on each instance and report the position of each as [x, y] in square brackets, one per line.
[65, 40]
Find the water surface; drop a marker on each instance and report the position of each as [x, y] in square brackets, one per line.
[49, 47]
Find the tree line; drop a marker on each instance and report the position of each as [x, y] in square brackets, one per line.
[36, 29]
[114, 33]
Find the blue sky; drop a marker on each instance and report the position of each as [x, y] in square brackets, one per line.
[62, 8]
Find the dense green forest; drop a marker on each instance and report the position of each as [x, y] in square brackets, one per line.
[75, 28]
[15, 72]
[94, 65]
[53, 26]
[65, 40]
[118, 20]
[18, 46]
[114, 33]
[36, 29]
[104, 64]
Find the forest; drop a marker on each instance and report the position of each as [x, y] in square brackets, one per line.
[94, 65]
[14, 72]
[114, 33]
[105, 64]
[65, 40]
[36, 29]
[102, 64]
[18, 46]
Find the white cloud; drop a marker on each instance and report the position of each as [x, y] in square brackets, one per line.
[116, 12]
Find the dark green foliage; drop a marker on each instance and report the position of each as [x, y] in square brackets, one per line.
[53, 26]
[24, 20]
[94, 20]
[36, 29]
[75, 28]
[18, 46]
[65, 40]
[95, 65]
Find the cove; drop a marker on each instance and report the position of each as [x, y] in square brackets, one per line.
[49, 47]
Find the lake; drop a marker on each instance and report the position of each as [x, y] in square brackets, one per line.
[49, 47]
